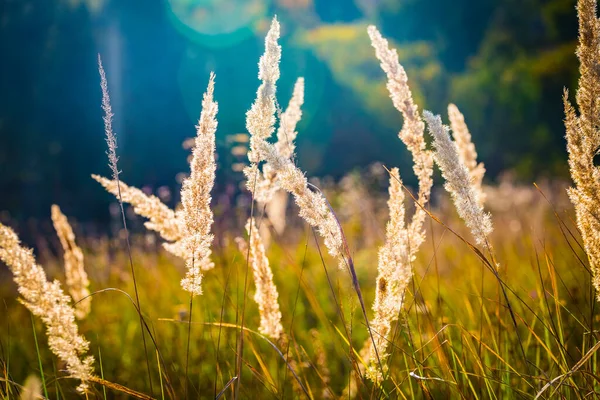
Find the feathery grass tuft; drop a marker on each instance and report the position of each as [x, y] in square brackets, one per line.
[266, 292]
[466, 149]
[48, 302]
[583, 136]
[77, 279]
[459, 182]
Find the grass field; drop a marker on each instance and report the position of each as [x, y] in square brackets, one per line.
[485, 292]
[455, 337]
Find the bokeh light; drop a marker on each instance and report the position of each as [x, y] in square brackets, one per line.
[216, 23]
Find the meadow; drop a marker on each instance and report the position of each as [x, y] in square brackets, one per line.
[327, 290]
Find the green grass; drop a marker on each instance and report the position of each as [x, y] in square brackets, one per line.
[455, 338]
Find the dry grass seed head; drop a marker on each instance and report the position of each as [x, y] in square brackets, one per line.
[76, 277]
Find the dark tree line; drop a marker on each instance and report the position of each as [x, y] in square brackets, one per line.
[504, 63]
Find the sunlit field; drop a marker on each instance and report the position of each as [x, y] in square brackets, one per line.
[455, 335]
[361, 288]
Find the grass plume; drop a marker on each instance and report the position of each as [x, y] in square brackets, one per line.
[195, 197]
[77, 279]
[260, 122]
[466, 148]
[111, 142]
[161, 218]
[459, 182]
[413, 129]
[583, 137]
[47, 301]
[266, 292]
[402, 241]
[188, 231]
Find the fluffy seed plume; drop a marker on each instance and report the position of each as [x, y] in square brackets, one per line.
[402, 240]
[458, 180]
[188, 230]
[47, 301]
[264, 185]
[266, 292]
[77, 280]
[394, 274]
[111, 138]
[583, 137]
[313, 206]
[195, 196]
[286, 133]
[259, 122]
[260, 119]
[413, 129]
[267, 189]
[162, 218]
[466, 148]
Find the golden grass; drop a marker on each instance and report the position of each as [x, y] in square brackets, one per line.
[448, 322]
[449, 328]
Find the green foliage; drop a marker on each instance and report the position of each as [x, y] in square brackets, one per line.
[346, 51]
[454, 339]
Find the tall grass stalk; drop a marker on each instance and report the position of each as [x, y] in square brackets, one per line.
[102, 371]
[187, 351]
[39, 357]
[111, 141]
[162, 388]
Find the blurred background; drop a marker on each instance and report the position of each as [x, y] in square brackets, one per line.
[503, 62]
